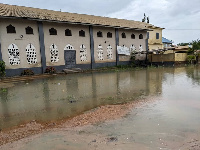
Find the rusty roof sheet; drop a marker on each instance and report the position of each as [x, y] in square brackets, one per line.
[58, 16]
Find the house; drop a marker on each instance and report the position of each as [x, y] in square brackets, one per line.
[154, 37]
[166, 42]
[32, 38]
[171, 56]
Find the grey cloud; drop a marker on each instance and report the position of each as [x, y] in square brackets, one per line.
[170, 14]
[93, 7]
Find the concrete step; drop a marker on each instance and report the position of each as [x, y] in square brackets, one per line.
[72, 70]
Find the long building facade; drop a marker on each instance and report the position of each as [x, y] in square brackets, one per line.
[35, 39]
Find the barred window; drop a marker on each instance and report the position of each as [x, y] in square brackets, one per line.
[13, 53]
[54, 53]
[31, 54]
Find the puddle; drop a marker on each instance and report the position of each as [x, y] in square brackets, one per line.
[170, 122]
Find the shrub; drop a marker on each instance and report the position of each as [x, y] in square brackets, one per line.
[2, 69]
[191, 58]
[50, 70]
[27, 72]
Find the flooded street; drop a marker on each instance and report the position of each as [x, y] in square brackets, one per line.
[168, 120]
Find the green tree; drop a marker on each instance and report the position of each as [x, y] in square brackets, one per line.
[196, 45]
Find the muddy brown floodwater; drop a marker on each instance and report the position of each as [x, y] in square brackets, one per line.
[156, 108]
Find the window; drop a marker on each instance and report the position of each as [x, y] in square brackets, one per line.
[99, 34]
[140, 36]
[52, 31]
[100, 52]
[11, 29]
[83, 53]
[29, 30]
[140, 48]
[31, 54]
[82, 33]
[109, 35]
[13, 53]
[54, 53]
[69, 47]
[109, 52]
[157, 35]
[132, 36]
[123, 35]
[132, 48]
[68, 32]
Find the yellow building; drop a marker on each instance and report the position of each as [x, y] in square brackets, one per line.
[155, 37]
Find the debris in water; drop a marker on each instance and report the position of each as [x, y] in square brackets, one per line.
[112, 139]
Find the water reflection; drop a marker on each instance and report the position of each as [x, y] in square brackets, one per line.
[68, 95]
[194, 74]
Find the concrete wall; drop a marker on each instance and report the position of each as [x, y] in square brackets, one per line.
[104, 42]
[21, 42]
[180, 57]
[153, 42]
[21, 39]
[60, 40]
[140, 57]
[173, 57]
[128, 41]
[162, 58]
[155, 46]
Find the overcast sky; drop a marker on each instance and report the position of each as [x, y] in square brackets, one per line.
[180, 18]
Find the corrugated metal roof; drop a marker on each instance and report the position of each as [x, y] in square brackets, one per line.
[164, 40]
[50, 15]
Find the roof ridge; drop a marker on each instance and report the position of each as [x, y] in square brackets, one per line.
[53, 15]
